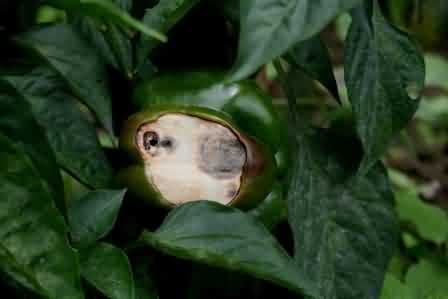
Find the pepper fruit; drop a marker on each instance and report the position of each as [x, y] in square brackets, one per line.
[197, 137]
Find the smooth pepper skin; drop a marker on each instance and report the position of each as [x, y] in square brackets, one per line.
[240, 106]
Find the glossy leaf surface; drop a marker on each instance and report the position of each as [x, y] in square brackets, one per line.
[225, 237]
[107, 268]
[33, 235]
[93, 216]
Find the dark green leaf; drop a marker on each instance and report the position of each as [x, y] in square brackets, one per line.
[76, 62]
[344, 227]
[225, 237]
[269, 28]
[112, 43]
[71, 136]
[272, 210]
[229, 8]
[94, 215]
[107, 268]
[383, 70]
[162, 17]
[73, 189]
[144, 286]
[33, 235]
[11, 288]
[17, 123]
[18, 273]
[124, 4]
[312, 57]
[341, 224]
[108, 10]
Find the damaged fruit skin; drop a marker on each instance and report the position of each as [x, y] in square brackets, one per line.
[241, 107]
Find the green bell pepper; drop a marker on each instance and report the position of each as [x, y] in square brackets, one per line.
[196, 136]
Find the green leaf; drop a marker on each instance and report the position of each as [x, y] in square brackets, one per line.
[397, 265]
[107, 268]
[18, 273]
[430, 221]
[33, 235]
[341, 223]
[71, 136]
[94, 215]
[73, 189]
[125, 5]
[229, 8]
[162, 17]
[145, 289]
[313, 57]
[225, 237]
[436, 71]
[272, 210]
[13, 289]
[18, 123]
[76, 62]
[108, 10]
[112, 43]
[344, 227]
[269, 28]
[428, 278]
[383, 70]
[434, 111]
[342, 24]
[395, 289]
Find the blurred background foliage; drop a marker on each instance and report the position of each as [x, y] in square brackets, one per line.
[418, 159]
[418, 162]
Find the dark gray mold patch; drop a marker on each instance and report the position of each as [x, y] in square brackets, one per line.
[221, 156]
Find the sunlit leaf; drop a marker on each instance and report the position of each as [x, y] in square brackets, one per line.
[395, 289]
[430, 221]
[428, 278]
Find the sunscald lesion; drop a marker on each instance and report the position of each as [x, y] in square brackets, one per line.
[188, 158]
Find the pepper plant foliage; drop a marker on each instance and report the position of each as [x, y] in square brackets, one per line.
[67, 230]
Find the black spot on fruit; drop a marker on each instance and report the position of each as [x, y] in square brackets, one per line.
[150, 139]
